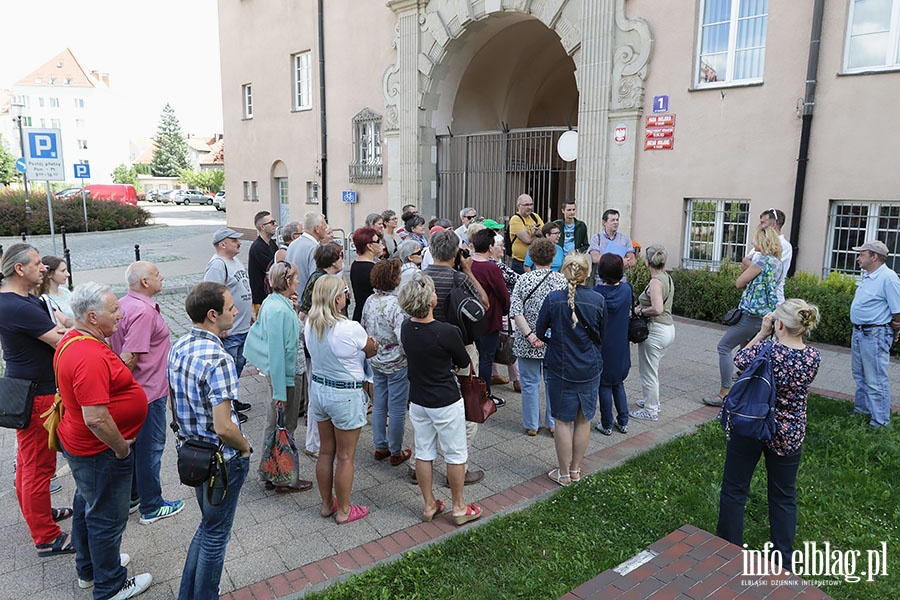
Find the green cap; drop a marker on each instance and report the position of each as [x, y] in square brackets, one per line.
[492, 224]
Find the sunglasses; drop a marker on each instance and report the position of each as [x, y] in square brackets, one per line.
[416, 253]
[469, 217]
[272, 222]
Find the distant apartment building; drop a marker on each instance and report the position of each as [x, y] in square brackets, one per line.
[692, 117]
[60, 94]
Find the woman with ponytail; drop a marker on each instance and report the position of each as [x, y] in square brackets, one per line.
[794, 365]
[571, 325]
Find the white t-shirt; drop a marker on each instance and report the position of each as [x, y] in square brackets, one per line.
[347, 340]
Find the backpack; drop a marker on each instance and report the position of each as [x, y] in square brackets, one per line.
[507, 238]
[749, 407]
[466, 312]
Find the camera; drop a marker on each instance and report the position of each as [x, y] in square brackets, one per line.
[461, 254]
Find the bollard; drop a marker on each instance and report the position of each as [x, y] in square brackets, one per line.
[137, 252]
[23, 237]
[62, 230]
[68, 256]
[1, 249]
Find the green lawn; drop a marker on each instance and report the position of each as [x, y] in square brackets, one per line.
[848, 495]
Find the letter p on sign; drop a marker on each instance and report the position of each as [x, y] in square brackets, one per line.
[42, 145]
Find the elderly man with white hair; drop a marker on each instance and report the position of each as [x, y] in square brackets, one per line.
[142, 341]
[105, 409]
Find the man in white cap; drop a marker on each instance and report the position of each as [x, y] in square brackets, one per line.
[875, 314]
[224, 267]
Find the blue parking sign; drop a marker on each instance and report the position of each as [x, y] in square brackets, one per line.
[82, 171]
[44, 155]
[43, 144]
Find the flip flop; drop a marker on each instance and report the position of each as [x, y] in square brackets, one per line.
[556, 476]
[333, 508]
[61, 514]
[57, 546]
[356, 513]
[437, 511]
[472, 513]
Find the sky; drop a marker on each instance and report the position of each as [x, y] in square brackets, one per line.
[155, 52]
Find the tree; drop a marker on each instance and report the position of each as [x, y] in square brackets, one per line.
[211, 181]
[8, 172]
[123, 174]
[170, 155]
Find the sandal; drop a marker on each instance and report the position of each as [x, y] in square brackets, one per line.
[437, 511]
[574, 475]
[61, 514]
[557, 476]
[399, 459]
[57, 546]
[472, 513]
[333, 508]
[382, 453]
[356, 513]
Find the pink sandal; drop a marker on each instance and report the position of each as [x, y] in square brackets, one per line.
[334, 508]
[437, 511]
[356, 513]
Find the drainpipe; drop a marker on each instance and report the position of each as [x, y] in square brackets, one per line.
[322, 108]
[809, 102]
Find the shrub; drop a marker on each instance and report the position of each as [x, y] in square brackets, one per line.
[704, 294]
[102, 215]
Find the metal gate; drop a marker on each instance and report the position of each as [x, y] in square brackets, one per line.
[488, 171]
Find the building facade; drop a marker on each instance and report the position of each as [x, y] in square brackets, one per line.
[691, 118]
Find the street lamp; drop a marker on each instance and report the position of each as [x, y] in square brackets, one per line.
[19, 108]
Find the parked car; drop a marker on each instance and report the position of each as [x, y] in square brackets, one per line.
[67, 193]
[219, 200]
[124, 193]
[187, 197]
[151, 195]
[165, 197]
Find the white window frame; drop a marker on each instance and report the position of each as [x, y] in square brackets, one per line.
[79, 102]
[719, 243]
[54, 102]
[246, 187]
[254, 191]
[55, 124]
[247, 100]
[302, 75]
[892, 52]
[851, 223]
[82, 145]
[40, 102]
[367, 165]
[732, 48]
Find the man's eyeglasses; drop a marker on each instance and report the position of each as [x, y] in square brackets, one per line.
[469, 217]
[272, 222]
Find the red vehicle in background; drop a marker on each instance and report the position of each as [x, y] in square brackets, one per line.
[123, 193]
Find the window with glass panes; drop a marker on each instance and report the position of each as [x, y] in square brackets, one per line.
[852, 223]
[732, 41]
[715, 230]
[873, 35]
[366, 166]
[302, 81]
[247, 93]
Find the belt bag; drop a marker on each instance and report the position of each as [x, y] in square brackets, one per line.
[196, 462]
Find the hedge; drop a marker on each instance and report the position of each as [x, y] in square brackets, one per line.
[706, 295]
[102, 215]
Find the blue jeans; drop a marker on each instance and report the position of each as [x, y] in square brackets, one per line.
[148, 450]
[741, 456]
[487, 348]
[390, 395]
[870, 354]
[609, 395]
[102, 490]
[206, 555]
[742, 331]
[234, 345]
[530, 378]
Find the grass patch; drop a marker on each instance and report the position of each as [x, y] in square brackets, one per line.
[848, 495]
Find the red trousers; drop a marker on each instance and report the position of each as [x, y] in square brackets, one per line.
[35, 465]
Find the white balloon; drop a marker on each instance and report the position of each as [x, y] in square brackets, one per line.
[567, 146]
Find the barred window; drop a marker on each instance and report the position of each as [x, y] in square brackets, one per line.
[366, 165]
[852, 223]
[715, 230]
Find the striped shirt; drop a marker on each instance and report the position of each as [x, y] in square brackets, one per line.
[201, 375]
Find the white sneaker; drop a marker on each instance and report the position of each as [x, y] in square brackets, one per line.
[644, 415]
[640, 404]
[134, 586]
[84, 584]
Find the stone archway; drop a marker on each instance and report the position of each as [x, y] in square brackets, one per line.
[611, 54]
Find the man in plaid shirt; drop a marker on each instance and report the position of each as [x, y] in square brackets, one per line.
[203, 382]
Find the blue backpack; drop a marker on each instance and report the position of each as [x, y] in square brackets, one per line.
[749, 407]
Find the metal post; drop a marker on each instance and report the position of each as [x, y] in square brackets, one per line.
[62, 231]
[24, 175]
[137, 252]
[50, 211]
[84, 205]
[68, 256]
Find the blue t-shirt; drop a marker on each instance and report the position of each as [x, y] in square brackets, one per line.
[555, 266]
[568, 238]
[25, 319]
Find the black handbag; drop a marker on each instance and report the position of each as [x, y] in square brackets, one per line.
[504, 354]
[638, 329]
[16, 402]
[732, 317]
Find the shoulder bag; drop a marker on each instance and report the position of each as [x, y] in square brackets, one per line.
[504, 354]
[16, 402]
[638, 328]
[200, 462]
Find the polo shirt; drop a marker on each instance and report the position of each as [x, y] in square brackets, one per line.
[877, 297]
[517, 224]
[142, 330]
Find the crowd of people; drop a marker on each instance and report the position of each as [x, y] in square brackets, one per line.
[383, 340]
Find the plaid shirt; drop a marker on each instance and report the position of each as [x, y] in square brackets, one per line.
[201, 375]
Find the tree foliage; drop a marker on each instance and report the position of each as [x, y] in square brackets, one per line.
[171, 152]
[8, 172]
[124, 174]
[211, 181]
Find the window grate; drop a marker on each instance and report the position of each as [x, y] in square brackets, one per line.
[852, 223]
[715, 230]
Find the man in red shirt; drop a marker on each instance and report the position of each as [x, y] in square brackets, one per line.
[105, 409]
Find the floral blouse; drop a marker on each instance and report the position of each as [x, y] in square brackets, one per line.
[794, 371]
[381, 318]
[542, 284]
[509, 276]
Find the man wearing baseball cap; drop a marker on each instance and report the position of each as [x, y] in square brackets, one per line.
[224, 267]
[875, 314]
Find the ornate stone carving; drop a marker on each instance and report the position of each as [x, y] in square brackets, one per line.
[634, 44]
[390, 89]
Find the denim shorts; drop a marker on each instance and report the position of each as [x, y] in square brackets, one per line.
[346, 409]
[445, 426]
[566, 397]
